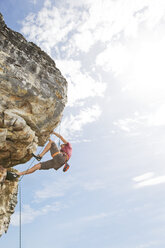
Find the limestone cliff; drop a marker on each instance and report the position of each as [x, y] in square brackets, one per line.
[32, 98]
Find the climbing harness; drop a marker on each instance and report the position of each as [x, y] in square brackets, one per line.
[64, 153]
[66, 165]
[56, 153]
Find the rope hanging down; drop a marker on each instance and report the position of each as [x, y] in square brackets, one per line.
[20, 197]
[59, 141]
[20, 220]
[20, 206]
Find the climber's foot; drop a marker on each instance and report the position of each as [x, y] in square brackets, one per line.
[19, 173]
[11, 176]
[37, 157]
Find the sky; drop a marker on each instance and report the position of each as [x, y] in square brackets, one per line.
[112, 54]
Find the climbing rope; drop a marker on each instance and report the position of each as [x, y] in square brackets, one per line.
[20, 197]
[20, 215]
[20, 204]
[59, 140]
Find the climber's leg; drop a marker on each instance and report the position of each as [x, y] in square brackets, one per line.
[31, 170]
[46, 149]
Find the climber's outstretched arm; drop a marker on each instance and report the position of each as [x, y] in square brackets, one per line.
[61, 138]
[31, 170]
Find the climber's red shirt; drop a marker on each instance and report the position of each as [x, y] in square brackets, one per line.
[67, 148]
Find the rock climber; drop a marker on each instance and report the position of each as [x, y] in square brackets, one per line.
[59, 157]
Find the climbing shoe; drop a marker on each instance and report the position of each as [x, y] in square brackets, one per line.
[37, 157]
[11, 176]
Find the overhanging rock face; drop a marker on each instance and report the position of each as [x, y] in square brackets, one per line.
[33, 94]
[32, 97]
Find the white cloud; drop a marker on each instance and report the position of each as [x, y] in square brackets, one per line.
[93, 217]
[133, 36]
[85, 43]
[33, 2]
[73, 124]
[47, 3]
[148, 245]
[146, 77]
[92, 186]
[55, 189]
[143, 177]
[137, 122]
[81, 84]
[63, 185]
[132, 124]
[106, 20]
[50, 26]
[81, 24]
[157, 118]
[29, 214]
[60, 31]
[148, 179]
[136, 57]
[138, 65]
[114, 58]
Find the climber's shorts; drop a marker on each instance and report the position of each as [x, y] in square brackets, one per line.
[54, 163]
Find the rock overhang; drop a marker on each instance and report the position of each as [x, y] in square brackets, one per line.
[33, 94]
